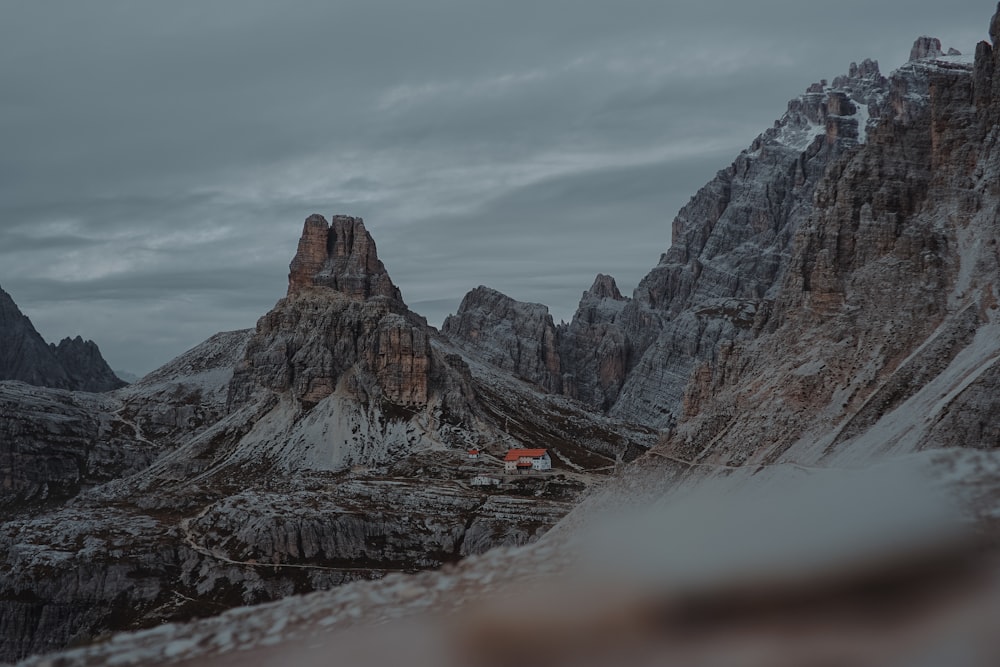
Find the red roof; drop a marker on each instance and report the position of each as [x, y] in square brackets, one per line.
[515, 454]
[473, 451]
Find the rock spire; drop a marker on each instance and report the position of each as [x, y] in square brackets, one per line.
[341, 255]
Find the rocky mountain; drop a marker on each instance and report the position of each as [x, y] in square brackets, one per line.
[817, 351]
[593, 346]
[327, 445]
[73, 364]
[882, 338]
[729, 251]
[511, 335]
[85, 367]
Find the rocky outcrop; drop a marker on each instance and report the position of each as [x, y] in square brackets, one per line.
[926, 47]
[340, 254]
[343, 326]
[314, 342]
[340, 372]
[512, 335]
[716, 284]
[594, 348]
[74, 364]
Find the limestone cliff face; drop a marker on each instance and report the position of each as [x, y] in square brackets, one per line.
[716, 284]
[594, 347]
[340, 254]
[730, 245]
[883, 337]
[342, 326]
[344, 372]
[512, 335]
[314, 342]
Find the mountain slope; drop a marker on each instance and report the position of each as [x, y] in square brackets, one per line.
[327, 445]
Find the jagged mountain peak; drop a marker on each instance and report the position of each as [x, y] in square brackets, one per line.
[85, 365]
[926, 47]
[604, 287]
[341, 255]
[341, 370]
[513, 335]
[868, 69]
[929, 48]
[73, 364]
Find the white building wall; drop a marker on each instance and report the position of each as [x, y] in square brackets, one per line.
[542, 463]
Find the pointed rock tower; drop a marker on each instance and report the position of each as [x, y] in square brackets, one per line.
[340, 255]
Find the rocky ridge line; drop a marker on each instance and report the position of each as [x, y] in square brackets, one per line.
[73, 364]
[716, 283]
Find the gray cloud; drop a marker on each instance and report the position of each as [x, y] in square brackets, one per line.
[158, 158]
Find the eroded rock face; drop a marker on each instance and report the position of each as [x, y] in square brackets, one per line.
[731, 243]
[343, 325]
[341, 255]
[594, 348]
[340, 372]
[55, 443]
[315, 340]
[883, 338]
[926, 47]
[717, 282]
[515, 336]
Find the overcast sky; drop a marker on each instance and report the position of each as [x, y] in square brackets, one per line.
[157, 159]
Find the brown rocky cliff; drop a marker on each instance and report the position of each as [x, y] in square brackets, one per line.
[867, 200]
[314, 340]
[344, 328]
[340, 255]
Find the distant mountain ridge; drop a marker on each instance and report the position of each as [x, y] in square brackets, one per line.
[75, 364]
